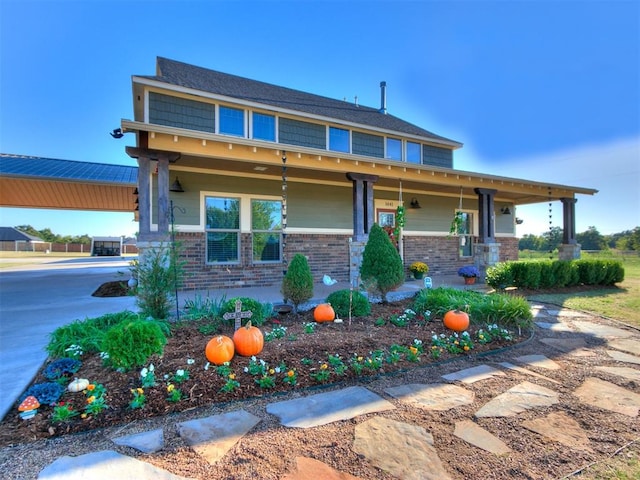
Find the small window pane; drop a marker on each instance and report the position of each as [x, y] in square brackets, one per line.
[338, 139]
[266, 214]
[394, 149]
[264, 127]
[223, 213]
[231, 121]
[413, 152]
[222, 247]
[266, 247]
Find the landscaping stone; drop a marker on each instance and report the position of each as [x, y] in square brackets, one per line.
[566, 313]
[559, 427]
[328, 407]
[523, 396]
[403, 450]
[311, 469]
[555, 327]
[625, 372]
[212, 437]
[511, 366]
[433, 396]
[626, 344]
[103, 465]
[608, 396]
[474, 434]
[147, 442]
[539, 361]
[576, 347]
[623, 357]
[473, 374]
[602, 331]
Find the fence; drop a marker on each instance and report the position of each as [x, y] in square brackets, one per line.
[46, 247]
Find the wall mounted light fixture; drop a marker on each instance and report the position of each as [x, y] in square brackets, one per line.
[505, 211]
[414, 203]
[176, 187]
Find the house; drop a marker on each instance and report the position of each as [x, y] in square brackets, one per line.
[13, 240]
[246, 174]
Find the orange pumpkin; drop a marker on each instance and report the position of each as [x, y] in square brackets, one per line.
[219, 350]
[456, 320]
[248, 340]
[324, 313]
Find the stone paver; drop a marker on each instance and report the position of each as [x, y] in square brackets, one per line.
[601, 331]
[103, 465]
[405, 451]
[212, 437]
[474, 434]
[608, 396]
[311, 469]
[561, 428]
[566, 313]
[473, 374]
[623, 357]
[626, 372]
[147, 442]
[523, 396]
[328, 407]
[432, 396]
[576, 347]
[555, 327]
[539, 361]
[626, 344]
[511, 366]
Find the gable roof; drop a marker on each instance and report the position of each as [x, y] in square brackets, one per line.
[10, 234]
[190, 76]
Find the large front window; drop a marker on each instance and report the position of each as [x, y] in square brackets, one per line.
[231, 121]
[223, 229]
[266, 229]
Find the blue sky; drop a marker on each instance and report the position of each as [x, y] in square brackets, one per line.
[541, 90]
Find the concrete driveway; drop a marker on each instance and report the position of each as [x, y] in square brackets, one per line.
[37, 298]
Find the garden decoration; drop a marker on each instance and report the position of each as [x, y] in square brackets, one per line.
[219, 350]
[470, 273]
[248, 340]
[456, 320]
[29, 407]
[418, 269]
[238, 315]
[324, 313]
[78, 385]
[458, 220]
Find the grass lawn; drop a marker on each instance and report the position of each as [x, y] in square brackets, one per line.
[620, 303]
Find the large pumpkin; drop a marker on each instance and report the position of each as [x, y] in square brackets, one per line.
[324, 313]
[219, 350]
[456, 320]
[248, 340]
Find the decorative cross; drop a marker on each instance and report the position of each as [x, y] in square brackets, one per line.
[238, 315]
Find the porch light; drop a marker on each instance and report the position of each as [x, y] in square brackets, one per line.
[414, 203]
[176, 187]
[505, 211]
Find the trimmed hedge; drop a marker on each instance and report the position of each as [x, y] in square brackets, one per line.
[534, 275]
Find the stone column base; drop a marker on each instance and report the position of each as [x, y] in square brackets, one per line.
[486, 255]
[356, 249]
[569, 251]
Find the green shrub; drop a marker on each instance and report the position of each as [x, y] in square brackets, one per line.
[130, 344]
[564, 273]
[500, 276]
[297, 284]
[381, 268]
[258, 310]
[339, 300]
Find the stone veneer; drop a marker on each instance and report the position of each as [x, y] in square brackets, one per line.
[327, 254]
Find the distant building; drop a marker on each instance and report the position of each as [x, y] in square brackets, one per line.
[106, 246]
[13, 240]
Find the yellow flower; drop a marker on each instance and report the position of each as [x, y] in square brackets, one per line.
[480, 336]
[232, 376]
[456, 342]
[359, 359]
[466, 347]
[413, 350]
[271, 371]
[140, 391]
[84, 415]
[324, 366]
[91, 399]
[290, 373]
[170, 387]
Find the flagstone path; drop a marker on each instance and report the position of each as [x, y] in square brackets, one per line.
[405, 450]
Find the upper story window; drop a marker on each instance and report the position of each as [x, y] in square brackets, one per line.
[231, 121]
[264, 127]
[394, 149]
[413, 153]
[338, 139]
[222, 229]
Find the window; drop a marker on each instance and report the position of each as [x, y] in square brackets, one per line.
[338, 139]
[394, 149]
[231, 121]
[222, 229]
[266, 228]
[413, 152]
[465, 235]
[264, 127]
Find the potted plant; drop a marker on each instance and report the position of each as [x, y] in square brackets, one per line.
[470, 273]
[418, 269]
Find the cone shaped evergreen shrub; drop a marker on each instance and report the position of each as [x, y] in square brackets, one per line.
[381, 263]
[297, 284]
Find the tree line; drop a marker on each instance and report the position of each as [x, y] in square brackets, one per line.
[47, 235]
[591, 239]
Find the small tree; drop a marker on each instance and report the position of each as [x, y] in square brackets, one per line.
[297, 284]
[381, 263]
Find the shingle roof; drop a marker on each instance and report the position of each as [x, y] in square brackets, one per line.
[10, 234]
[49, 168]
[211, 81]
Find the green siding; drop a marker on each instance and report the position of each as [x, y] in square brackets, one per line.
[181, 113]
[304, 134]
[440, 157]
[368, 145]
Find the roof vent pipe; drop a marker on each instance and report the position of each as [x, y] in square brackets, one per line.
[383, 97]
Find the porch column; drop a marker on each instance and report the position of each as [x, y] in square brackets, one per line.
[487, 215]
[144, 200]
[363, 210]
[163, 195]
[570, 248]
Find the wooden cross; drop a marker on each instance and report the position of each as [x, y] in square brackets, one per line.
[238, 315]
